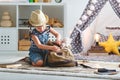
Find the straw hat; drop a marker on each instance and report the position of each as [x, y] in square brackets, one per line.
[38, 18]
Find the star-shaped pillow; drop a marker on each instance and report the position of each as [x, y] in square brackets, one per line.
[111, 45]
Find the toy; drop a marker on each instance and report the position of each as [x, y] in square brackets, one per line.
[6, 20]
[111, 45]
[55, 23]
[66, 43]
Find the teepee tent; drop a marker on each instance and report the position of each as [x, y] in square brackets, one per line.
[90, 13]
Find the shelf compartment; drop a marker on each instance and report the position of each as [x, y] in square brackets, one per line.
[24, 15]
[24, 40]
[55, 14]
[12, 12]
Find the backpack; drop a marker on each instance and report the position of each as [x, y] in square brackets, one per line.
[64, 58]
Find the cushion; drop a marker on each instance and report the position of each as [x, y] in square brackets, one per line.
[111, 45]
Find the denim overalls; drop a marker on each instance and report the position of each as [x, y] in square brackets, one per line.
[36, 53]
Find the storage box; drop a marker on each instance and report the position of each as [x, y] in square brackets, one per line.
[24, 45]
[23, 48]
[24, 42]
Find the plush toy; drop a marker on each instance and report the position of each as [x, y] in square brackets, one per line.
[55, 23]
[111, 45]
[66, 43]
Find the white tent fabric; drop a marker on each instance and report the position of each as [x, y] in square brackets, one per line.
[89, 14]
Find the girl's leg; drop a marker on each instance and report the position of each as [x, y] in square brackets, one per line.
[36, 59]
[39, 63]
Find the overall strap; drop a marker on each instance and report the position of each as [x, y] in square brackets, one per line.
[47, 28]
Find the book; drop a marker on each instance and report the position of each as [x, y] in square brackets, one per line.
[98, 54]
[12, 65]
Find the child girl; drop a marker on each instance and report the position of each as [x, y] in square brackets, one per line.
[39, 38]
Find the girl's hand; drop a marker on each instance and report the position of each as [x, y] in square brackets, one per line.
[58, 42]
[55, 48]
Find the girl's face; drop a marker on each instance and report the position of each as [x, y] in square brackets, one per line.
[40, 28]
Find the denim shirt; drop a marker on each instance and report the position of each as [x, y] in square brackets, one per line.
[43, 38]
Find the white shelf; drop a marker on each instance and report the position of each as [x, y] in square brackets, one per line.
[22, 11]
[8, 3]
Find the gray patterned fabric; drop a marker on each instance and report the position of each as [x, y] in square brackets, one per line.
[116, 6]
[91, 11]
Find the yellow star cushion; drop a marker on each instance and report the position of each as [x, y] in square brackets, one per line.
[111, 45]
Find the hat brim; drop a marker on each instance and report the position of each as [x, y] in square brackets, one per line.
[47, 18]
[35, 24]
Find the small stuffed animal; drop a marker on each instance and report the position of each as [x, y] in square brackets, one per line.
[66, 43]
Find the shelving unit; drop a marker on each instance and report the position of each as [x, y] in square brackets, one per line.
[20, 12]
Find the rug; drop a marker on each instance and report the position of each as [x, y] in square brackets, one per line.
[77, 71]
[109, 58]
